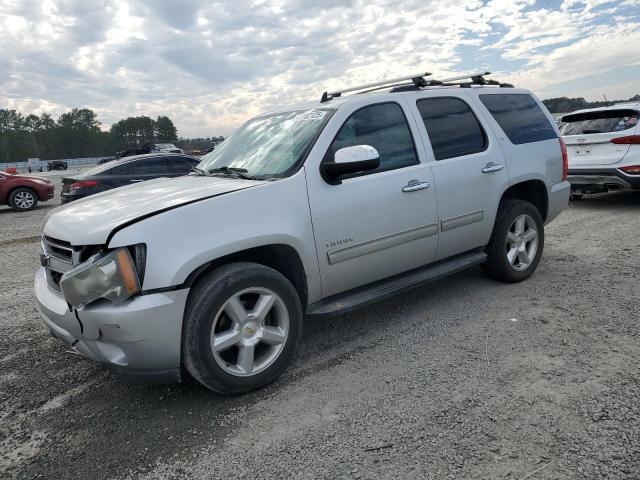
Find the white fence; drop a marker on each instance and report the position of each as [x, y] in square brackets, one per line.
[71, 162]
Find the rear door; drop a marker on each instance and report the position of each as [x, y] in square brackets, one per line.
[468, 168]
[589, 136]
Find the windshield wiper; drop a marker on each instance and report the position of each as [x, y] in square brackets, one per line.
[236, 172]
[198, 171]
[227, 169]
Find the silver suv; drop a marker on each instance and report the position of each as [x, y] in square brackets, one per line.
[310, 210]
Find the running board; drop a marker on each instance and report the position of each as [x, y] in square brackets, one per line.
[383, 289]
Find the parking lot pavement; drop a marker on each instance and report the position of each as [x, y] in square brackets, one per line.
[463, 378]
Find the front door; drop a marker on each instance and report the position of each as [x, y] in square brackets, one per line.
[377, 223]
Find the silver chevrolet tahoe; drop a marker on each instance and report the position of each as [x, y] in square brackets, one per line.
[310, 210]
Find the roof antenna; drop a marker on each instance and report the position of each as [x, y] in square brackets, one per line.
[605, 99]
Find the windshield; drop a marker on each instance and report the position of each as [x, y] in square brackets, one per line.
[268, 146]
[603, 121]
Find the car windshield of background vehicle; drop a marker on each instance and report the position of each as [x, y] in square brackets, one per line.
[606, 121]
[269, 146]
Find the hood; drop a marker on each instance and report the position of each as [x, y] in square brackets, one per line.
[90, 220]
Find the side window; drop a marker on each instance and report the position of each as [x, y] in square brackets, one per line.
[520, 117]
[123, 169]
[150, 166]
[453, 128]
[382, 126]
[183, 165]
[175, 164]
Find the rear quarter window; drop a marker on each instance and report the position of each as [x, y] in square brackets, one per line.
[520, 117]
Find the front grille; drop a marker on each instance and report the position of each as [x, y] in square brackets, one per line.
[61, 257]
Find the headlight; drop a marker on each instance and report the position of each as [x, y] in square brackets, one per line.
[112, 276]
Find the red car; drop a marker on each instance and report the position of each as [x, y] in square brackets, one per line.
[23, 193]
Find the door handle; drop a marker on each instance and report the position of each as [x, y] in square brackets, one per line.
[133, 180]
[415, 185]
[492, 167]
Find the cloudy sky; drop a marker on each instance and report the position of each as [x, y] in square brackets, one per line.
[211, 65]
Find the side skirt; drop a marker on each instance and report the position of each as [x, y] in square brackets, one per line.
[388, 287]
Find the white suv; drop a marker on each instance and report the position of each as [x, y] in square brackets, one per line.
[603, 145]
[310, 210]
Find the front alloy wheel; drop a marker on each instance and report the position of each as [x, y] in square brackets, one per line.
[249, 331]
[241, 327]
[23, 199]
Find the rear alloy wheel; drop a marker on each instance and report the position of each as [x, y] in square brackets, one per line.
[522, 242]
[516, 243]
[23, 199]
[242, 324]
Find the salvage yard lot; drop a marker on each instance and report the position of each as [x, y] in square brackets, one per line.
[463, 378]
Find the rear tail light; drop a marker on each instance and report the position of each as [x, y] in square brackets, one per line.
[565, 160]
[628, 140]
[83, 184]
[631, 169]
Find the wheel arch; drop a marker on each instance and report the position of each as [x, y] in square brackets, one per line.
[281, 257]
[533, 191]
[11, 191]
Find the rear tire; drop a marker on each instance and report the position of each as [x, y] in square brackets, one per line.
[23, 199]
[242, 324]
[516, 243]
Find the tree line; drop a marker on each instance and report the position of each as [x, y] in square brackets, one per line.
[76, 134]
[566, 105]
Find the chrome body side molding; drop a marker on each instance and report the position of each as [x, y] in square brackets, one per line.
[370, 246]
[461, 220]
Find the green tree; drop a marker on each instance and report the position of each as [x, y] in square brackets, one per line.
[78, 132]
[165, 130]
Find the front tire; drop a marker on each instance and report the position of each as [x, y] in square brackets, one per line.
[516, 243]
[242, 324]
[23, 199]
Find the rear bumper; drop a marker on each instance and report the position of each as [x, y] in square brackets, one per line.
[139, 338]
[558, 200]
[66, 198]
[602, 179]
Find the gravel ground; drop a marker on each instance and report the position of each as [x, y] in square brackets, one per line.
[463, 378]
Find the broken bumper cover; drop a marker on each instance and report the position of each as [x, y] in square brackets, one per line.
[139, 338]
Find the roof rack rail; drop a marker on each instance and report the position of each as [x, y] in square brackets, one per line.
[416, 79]
[418, 82]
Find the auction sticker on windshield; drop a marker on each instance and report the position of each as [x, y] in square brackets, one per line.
[311, 115]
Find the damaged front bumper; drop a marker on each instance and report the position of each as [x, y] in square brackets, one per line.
[139, 338]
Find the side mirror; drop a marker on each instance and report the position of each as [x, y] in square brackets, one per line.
[358, 158]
